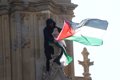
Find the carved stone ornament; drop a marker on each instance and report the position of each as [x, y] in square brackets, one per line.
[86, 64]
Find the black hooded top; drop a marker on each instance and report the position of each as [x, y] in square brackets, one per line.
[48, 38]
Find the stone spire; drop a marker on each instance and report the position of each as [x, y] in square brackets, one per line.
[86, 64]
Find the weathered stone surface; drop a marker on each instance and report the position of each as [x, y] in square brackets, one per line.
[21, 36]
[5, 65]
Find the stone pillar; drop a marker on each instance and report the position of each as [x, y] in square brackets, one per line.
[27, 45]
[5, 59]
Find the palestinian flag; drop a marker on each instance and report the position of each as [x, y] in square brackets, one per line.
[88, 31]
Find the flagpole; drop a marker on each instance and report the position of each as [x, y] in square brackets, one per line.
[86, 64]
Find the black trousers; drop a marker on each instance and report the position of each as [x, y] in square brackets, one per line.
[49, 51]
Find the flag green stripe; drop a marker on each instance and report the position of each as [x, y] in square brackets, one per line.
[69, 58]
[86, 40]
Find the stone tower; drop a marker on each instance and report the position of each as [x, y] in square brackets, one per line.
[21, 36]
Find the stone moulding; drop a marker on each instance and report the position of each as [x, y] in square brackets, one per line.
[4, 9]
[51, 5]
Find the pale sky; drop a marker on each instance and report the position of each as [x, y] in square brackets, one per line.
[106, 57]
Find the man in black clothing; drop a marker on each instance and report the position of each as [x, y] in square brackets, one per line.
[48, 38]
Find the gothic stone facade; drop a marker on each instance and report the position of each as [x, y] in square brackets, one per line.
[21, 36]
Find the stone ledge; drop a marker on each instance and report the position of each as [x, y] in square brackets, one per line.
[51, 5]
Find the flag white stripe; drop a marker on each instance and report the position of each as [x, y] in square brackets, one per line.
[91, 32]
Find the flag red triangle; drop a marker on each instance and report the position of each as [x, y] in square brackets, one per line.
[66, 31]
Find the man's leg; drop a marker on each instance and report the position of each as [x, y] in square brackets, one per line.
[47, 65]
